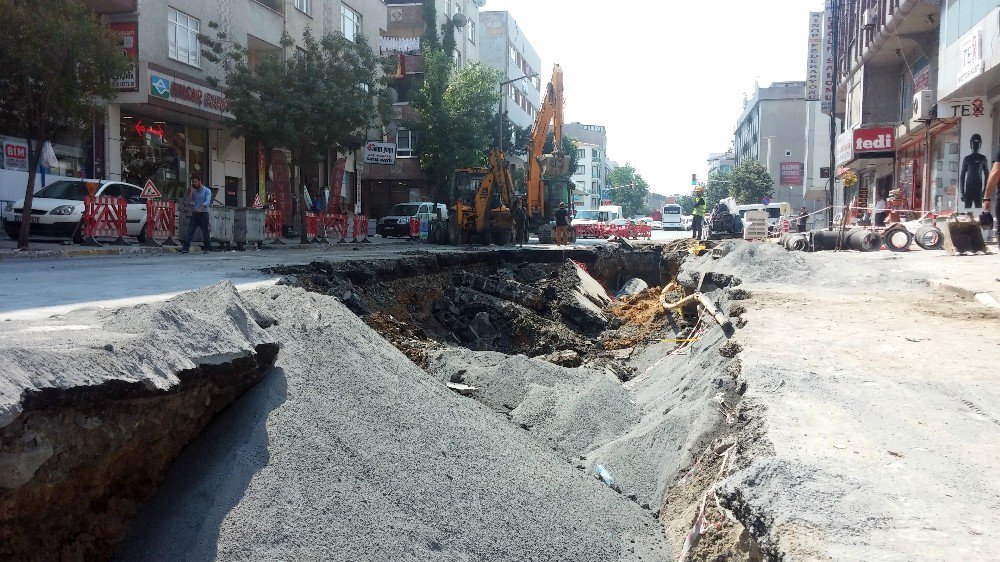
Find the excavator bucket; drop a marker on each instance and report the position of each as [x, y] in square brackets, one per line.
[555, 164]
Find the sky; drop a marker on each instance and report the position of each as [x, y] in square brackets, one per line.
[666, 77]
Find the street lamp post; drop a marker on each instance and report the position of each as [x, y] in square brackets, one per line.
[503, 105]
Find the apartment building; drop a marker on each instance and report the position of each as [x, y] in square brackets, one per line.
[168, 121]
[593, 166]
[721, 162]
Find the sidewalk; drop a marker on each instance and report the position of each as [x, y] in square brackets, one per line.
[43, 248]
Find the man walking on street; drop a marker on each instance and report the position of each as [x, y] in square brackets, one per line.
[562, 225]
[698, 213]
[201, 196]
[803, 218]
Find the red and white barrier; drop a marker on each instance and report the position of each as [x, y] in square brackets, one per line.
[312, 228]
[161, 222]
[272, 226]
[105, 217]
[336, 226]
[414, 228]
[361, 229]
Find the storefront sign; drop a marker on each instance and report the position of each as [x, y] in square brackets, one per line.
[15, 156]
[878, 139]
[142, 129]
[380, 153]
[826, 96]
[963, 107]
[792, 173]
[127, 33]
[845, 147]
[921, 75]
[261, 172]
[399, 44]
[188, 94]
[814, 57]
[971, 57]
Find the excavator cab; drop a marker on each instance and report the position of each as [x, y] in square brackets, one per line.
[554, 164]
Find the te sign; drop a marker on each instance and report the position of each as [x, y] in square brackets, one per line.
[380, 153]
[879, 139]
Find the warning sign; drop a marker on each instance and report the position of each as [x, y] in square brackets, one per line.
[257, 204]
[150, 191]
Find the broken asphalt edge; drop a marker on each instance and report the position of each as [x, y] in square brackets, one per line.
[963, 291]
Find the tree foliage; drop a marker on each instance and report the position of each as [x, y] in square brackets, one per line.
[325, 96]
[454, 110]
[57, 65]
[717, 188]
[686, 202]
[628, 189]
[751, 182]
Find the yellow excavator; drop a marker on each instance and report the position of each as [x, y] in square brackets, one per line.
[483, 199]
[542, 202]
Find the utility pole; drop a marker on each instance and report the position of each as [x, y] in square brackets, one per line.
[833, 5]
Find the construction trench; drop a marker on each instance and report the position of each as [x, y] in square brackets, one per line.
[546, 406]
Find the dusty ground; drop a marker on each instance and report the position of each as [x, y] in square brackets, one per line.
[877, 416]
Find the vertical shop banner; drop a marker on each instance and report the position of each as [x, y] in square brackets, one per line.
[337, 177]
[826, 95]
[814, 57]
[127, 33]
[282, 185]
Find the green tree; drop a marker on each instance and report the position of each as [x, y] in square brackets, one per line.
[454, 111]
[717, 188]
[58, 63]
[628, 189]
[325, 96]
[686, 202]
[751, 182]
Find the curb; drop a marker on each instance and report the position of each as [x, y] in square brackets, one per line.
[982, 298]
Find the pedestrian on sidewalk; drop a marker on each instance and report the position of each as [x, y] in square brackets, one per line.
[880, 211]
[201, 196]
[562, 225]
[803, 218]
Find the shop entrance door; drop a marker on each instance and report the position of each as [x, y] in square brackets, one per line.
[232, 191]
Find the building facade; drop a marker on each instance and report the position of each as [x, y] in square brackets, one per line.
[504, 46]
[721, 162]
[924, 76]
[771, 131]
[593, 166]
[168, 121]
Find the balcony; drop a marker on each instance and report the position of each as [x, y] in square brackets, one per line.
[111, 6]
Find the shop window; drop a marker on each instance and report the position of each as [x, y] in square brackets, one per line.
[182, 37]
[166, 153]
[350, 23]
[945, 171]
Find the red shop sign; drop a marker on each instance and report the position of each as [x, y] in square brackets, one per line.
[878, 139]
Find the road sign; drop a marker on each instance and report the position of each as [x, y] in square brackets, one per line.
[149, 191]
[257, 204]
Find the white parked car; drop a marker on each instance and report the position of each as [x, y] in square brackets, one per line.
[397, 222]
[57, 209]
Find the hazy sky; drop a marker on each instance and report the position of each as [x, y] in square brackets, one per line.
[666, 78]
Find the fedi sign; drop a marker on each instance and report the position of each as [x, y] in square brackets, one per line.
[187, 94]
[380, 153]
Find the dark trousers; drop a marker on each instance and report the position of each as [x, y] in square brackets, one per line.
[802, 227]
[696, 226]
[198, 220]
[880, 218]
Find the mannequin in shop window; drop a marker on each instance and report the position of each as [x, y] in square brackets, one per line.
[974, 172]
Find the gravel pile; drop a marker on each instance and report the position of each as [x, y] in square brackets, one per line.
[751, 263]
[347, 451]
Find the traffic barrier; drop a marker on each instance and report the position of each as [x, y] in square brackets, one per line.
[105, 217]
[644, 231]
[336, 225]
[312, 228]
[361, 229]
[161, 221]
[786, 226]
[272, 226]
[414, 228]
[586, 231]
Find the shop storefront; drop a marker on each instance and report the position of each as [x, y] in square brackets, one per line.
[869, 154]
[171, 127]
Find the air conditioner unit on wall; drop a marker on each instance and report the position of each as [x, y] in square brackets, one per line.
[923, 105]
[869, 18]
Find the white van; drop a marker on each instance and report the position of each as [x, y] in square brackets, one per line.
[774, 211]
[672, 217]
[397, 222]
